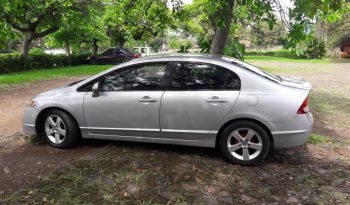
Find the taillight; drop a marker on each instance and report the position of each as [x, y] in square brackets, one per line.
[304, 108]
[136, 55]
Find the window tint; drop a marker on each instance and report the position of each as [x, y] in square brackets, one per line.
[108, 52]
[119, 51]
[196, 76]
[145, 77]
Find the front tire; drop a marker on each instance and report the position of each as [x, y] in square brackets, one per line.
[60, 129]
[245, 143]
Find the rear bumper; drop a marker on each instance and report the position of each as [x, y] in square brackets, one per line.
[293, 133]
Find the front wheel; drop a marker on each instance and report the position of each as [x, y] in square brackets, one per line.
[60, 129]
[245, 143]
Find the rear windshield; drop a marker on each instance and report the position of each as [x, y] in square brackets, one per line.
[253, 69]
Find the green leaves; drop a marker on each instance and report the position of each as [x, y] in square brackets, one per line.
[138, 20]
[302, 19]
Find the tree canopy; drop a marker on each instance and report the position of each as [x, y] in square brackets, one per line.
[218, 25]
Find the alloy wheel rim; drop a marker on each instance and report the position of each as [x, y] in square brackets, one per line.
[244, 144]
[55, 129]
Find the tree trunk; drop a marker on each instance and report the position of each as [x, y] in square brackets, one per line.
[221, 32]
[121, 44]
[27, 40]
[68, 53]
[94, 47]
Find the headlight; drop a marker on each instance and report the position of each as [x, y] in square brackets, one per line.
[31, 104]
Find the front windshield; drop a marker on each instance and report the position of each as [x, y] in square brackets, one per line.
[252, 68]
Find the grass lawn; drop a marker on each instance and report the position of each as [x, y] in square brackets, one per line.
[281, 59]
[34, 75]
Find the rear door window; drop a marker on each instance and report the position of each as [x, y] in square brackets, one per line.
[200, 76]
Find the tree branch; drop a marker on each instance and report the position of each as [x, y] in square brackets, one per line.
[46, 32]
[9, 20]
[283, 14]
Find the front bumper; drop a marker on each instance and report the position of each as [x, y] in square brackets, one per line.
[293, 133]
[29, 119]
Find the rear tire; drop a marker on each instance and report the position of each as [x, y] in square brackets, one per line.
[245, 143]
[60, 129]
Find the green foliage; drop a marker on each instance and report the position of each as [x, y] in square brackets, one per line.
[203, 17]
[156, 43]
[277, 53]
[37, 51]
[137, 20]
[175, 43]
[184, 48]
[317, 139]
[260, 34]
[310, 48]
[235, 49]
[204, 43]
[303, 14]
[78, 28]
[7, 36]
[34, 75]
[13, 62]
[35, 19]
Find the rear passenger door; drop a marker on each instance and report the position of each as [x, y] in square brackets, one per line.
[198, 96]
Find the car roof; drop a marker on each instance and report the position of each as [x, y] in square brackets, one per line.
[220, 60]
[186, 56]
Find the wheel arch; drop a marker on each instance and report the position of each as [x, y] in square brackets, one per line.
[223, 127]
[39, 118]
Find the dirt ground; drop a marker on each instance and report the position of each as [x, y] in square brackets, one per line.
[136, 173]
[20, 161]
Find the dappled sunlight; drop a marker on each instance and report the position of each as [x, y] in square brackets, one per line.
[129, 172]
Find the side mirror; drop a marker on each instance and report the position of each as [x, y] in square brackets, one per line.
[95, 91]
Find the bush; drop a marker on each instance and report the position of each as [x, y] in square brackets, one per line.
[13, 62]
[37, 51]
[235, 49]
[278, 53]
[313, 48]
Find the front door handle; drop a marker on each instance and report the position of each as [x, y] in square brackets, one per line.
[216, 99]
[147, 99]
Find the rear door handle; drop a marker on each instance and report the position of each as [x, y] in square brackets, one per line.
[216, 99]
[147, 99]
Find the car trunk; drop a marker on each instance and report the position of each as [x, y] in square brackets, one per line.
[296, 82]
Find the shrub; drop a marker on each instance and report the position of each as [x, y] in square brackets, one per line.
[277, 53]
[37, 51]
[235, 49]
[13, 62]
[314, 48]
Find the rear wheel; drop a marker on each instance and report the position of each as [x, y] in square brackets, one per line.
[245, 143]
[60, 129]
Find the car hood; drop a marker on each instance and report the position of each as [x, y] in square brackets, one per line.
[296, 82]
[59, 91]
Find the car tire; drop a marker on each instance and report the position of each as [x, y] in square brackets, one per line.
[60, 129]
[245, 143]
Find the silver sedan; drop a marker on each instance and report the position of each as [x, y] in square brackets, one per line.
[184, 100]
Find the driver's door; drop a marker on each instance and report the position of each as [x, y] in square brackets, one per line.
[128, 103]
